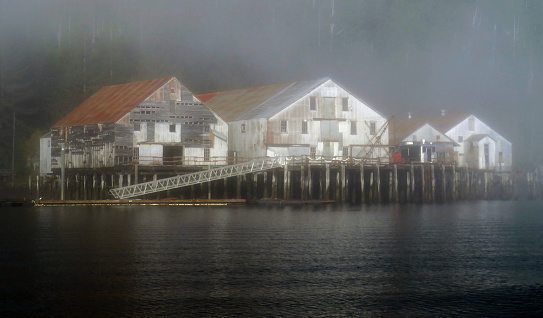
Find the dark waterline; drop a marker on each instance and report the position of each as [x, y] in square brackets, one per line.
[470, 259]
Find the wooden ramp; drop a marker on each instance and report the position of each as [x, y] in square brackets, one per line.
[197, 177]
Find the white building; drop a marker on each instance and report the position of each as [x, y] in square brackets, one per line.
[480, 147]
[419, 141]
[312, 118]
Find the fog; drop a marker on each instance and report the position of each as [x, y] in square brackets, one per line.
[478, 56]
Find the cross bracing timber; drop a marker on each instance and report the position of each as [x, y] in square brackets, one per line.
[197, 177]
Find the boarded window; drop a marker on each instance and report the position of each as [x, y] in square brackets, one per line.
[206, 154]
[345, 104]
[471, 124]
[312, 103]
[460, 138]
[500, 157]
[283, 126]
[137, 127]
[166, 95]
[313, 152]
[243, 128]
[304, 127]
[329, 110]
[353, 127]
[172, 128]
[345, 152]
[372, 128]
[438, 137]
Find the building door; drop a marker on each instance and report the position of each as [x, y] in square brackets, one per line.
[327, 150]
[173, 155]
[329, 108]
[487, 156]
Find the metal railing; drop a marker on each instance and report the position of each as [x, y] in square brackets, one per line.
[197, 177]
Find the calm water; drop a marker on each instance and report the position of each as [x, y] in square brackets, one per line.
[469, 259]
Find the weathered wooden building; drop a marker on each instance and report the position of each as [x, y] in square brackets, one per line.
[313, 118]
[481, 147]
[463, 139]
[148, 122]
[418, 141]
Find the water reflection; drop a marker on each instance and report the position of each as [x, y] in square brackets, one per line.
[266, 261]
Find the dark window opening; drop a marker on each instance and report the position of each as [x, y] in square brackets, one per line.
[345, 104]
[372, 128]
[283, 126]
[312, 103]
[172, 128]
[304, 127]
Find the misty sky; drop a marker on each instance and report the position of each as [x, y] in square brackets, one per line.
[477, 56]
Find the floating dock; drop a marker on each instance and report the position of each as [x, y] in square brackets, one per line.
[195, 202]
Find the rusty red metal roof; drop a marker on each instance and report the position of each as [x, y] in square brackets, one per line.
[231, 105]
[111, 103]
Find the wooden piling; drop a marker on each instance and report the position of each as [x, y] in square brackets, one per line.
[433, 176]
[238, 187]
[302, 182]
[378, 186]
[362, 193]
[396, 195]
[265, 181]
[286, 182]
[327, 182]
[309, 183]
[343, 179]
[408, 186]
[454, 194]
[422, 183]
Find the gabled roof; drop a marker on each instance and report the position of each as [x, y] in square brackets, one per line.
[447, 122]
[401, 128]
[404, 127]
[257, 102]
[478, 137]
[111, 103]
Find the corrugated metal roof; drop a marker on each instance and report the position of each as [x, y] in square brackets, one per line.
[257, 102]
[406, 126]
[447, 122]
[111, 103]
[403, 127]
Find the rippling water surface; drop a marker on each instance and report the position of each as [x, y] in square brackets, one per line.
[468, 259]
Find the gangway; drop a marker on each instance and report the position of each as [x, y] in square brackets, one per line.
[197, 177]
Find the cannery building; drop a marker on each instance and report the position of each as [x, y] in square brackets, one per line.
[153, 122]
[310, 118]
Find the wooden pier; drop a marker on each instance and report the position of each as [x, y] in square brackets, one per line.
[338, 181]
